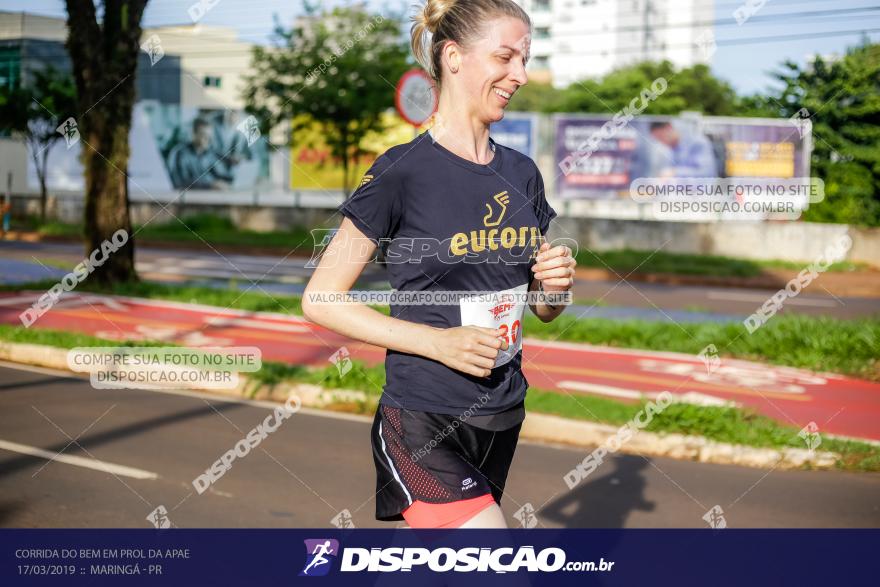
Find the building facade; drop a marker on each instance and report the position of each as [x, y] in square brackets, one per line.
[577, 39]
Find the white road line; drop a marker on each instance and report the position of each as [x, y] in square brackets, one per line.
[760, 298]
[15, 300]
[84, 462]
[606, 390]
[690, 397]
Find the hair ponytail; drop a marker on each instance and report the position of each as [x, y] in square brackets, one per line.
[453, 20]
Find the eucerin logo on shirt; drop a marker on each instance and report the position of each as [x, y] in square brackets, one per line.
[491, 238]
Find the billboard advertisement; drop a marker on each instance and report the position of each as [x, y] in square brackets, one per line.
[518, 131]
[313, 166]
[602, 163]
[173, 149]
[206, 149]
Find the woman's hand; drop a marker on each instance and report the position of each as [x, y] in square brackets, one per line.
[471, 349]
[554, 268]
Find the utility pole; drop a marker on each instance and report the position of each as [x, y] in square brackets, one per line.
[648, 33]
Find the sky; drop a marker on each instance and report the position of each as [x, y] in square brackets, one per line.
[746, 55]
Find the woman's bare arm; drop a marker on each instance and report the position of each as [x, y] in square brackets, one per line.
[470, 349]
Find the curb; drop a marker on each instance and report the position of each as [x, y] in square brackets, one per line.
[547, 428]
[537, 427]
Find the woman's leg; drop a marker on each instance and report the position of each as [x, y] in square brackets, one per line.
[490, 517]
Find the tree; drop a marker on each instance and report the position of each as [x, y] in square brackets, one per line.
[104, 54]
[536, 97]
[692, 88]
[34, 113]
[841, 97]
[340, 68]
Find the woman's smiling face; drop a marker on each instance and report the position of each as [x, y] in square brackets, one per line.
[494, 66]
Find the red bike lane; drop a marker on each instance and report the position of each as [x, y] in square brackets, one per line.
[795, 397]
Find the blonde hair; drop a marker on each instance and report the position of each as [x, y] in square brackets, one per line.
[454, 20]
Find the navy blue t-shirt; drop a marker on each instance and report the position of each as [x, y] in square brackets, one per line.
[448, 224]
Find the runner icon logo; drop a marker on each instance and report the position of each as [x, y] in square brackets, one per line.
[319, 554]
[503, 199]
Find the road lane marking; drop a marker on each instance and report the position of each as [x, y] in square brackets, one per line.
[671, 382]
[605, 390]
[16, 300]
[690, 397]
[87, 463]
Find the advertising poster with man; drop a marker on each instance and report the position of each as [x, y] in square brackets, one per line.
[175, 149]
[601, 164]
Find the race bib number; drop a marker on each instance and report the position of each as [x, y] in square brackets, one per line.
[503, 309]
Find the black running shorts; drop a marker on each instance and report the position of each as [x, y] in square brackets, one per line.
[436, 458]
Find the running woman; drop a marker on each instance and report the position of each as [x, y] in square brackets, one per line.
[454, 211]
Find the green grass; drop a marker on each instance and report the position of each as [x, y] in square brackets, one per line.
[61, 338]
[55, 228]
[359, 376]
[197, 228]
[731, 425]
[850, 347]
[222, 231]
[249, 298]
[626, 260]
[580, 407]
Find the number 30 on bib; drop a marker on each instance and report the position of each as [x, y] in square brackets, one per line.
[502, 309]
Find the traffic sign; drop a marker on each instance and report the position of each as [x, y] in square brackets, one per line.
[416, 97]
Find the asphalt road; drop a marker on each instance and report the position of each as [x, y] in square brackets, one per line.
[287, 275]
[315, 466]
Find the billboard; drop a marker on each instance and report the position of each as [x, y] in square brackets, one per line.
[203, 149]
[173, 149]
[313, 167]
[601, 164]
[518, 131]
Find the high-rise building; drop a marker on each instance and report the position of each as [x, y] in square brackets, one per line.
[577, 39]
